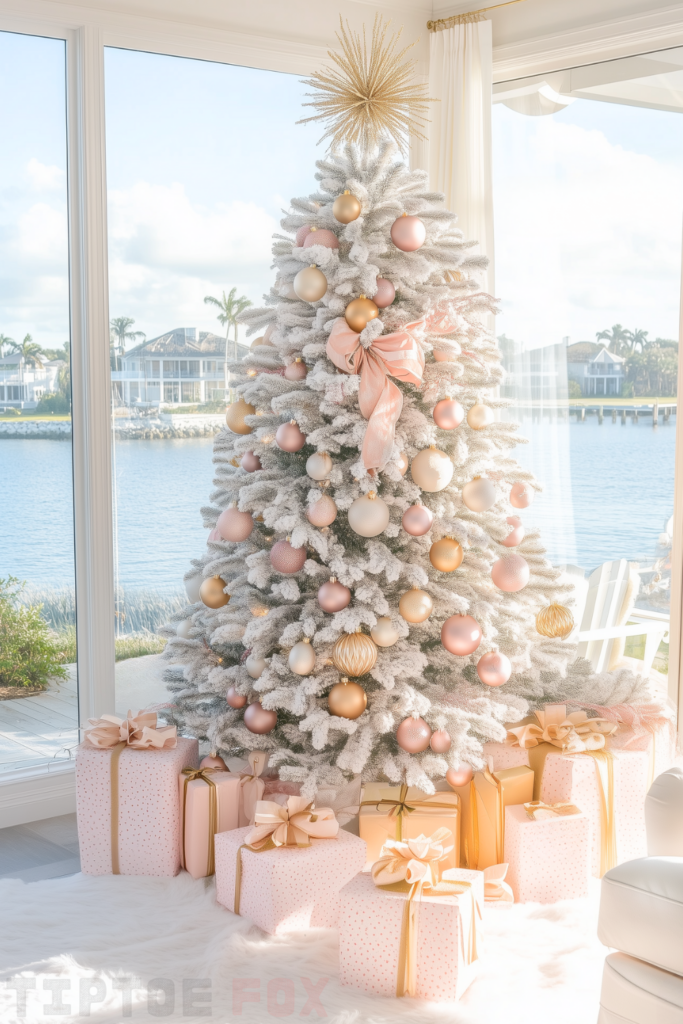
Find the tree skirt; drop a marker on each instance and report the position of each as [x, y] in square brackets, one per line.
[182, 957]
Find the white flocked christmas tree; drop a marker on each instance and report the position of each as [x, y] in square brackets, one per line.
[358, 409]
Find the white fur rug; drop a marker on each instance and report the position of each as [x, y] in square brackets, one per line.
[74, 940]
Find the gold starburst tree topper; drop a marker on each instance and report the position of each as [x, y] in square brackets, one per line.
[368, 96]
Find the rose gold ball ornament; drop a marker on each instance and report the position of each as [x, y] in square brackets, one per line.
[510, 573]
[448, 414]
[321, 236]
[479, 495]
[346, 208]
[310, 284]
[385, 294]
[413, 735]
[286, 559]
[250, 462]
[235, 414]
[368, 515]
[333, 596]
[494, 668]
[302, 658]
[235, 699]
[440, 741]
[521, 495]
[480, 416]
[301, 235]
[212, 592]
[431, 469]
[415, 605]
[417, 520]
[347, 699]
[322, 512]
[384, 632]
[255, 666]
[289, 437]
[408, 233]
[360, 312]
[446, 554]
[234, 525]
[318, 466]
[296, 370]
[213, 760]
[555, 621]
[258, 720]
[460, 776]
[516, 534]
[461, 635]
[354, 654]
[403, 463]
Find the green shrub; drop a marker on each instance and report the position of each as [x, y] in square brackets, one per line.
[54, 402]
[30, 652]
[574, 389]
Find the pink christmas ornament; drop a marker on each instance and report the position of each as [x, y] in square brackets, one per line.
[215, 534]
[385, 294]
[521, 495]
[258, 720]
[417, 520]
[408, 233]
[413, 735]
[322, 512]
[234, 525]
[235, 699]
[333, 596]
[440, 741]
[289, 437]
[321, 237]
[302, 235]
[448, 414]
[510, 573]
[296, 370]
[494, 668]
[516, 535]
[461, 635]
[459, 776]
[250, 462]
[284, 558]
[213, 761]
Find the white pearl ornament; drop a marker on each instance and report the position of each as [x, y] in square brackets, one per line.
[302, 658]
[255, 666]
[480, 416]
[318, 466]
[368, 515]
[431, 469]
[479, 495]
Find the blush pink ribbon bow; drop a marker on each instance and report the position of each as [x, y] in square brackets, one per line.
[138, 731]
[293, 824]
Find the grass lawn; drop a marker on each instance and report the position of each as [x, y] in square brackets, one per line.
[602, 400]
[135, 645]
[53, 417]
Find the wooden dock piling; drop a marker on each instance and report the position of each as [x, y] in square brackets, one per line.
[655, 415]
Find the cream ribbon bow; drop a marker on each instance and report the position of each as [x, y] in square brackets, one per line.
[496, 889]
[573, 733]
[292, 824]
[412, 860]
[139, 731]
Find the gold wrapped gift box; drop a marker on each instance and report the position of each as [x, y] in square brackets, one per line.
[402, 812]
[483, 801]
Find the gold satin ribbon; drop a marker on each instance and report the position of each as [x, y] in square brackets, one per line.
[203, 774]
[604, 767]
[472, 837]
[401, 806]
[561, 810]
[114, 789]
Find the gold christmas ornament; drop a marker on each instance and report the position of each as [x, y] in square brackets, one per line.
[384, 632]
[368, 515]
[234, 417]
[212, 594]
[555, 621]
[302, 658]
[354, 654]
[360, 312]
[346, 208]
[446, 555]
[431, 469]
[310, 284]
[416, 605]
[347, 699]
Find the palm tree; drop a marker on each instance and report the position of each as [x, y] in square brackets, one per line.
[638, 340]
[230, 308]
[29, 353]
[4, 340]
[119, 334]
[617, 339]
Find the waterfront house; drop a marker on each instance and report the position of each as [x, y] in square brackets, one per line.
[22, 385]
[597, 371]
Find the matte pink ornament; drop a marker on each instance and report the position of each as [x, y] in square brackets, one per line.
[235, 699]
[287, 559]
[510, 573]
[413, 735]
[258, 720]
[296, 370]
[440, 741]
[494, 668]
[289, 437]
[385, 294]
[234, 525]
[516, 535]
[333, 596]
[460, 776]
[448, 414]
[215, 535]
[521, 495]
[321, 237]
[302, 234]
[250, 462]
[461, 635]
[408, 233]
[417, 520]
[322, 512]
[213, 761]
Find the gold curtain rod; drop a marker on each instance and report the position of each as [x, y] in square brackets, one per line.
[468, 16]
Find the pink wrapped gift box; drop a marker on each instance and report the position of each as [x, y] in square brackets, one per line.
[572, 778]
[288, 888]
[149, 809]
[195, 801]
[504, 755]
[370, 935]
[548, 859]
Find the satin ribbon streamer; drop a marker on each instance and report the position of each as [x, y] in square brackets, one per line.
[139, 731]
[252, 784]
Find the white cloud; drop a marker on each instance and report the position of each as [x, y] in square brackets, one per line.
[44, 177]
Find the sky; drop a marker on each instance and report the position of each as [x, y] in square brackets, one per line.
[202, 157]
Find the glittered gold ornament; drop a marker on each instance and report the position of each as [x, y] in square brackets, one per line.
[234, 417]
[446, 554]
[555, 621]
[360, 312]
[354, 654]
[212, 593]
[347, 699]
[310, 284]
[346, 208]
[416, 605]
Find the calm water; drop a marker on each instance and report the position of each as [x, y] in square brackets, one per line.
[608, 491]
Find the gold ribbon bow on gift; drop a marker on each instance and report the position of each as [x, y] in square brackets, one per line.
[573, 733]
[252, 784]
[205, 775]
[415, 866]
[139, 731]
[496, 889]
[398, 808]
